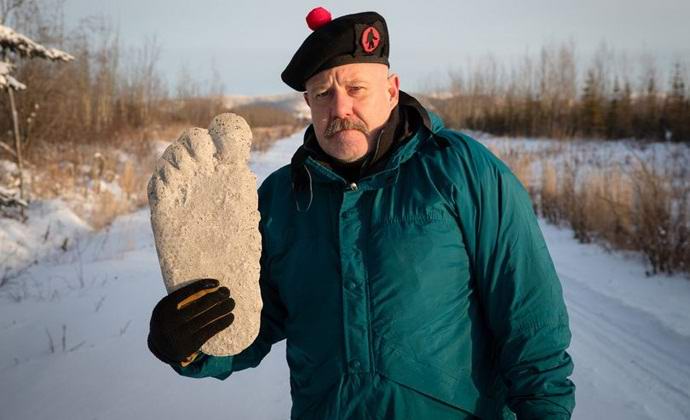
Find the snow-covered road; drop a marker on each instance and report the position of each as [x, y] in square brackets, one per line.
[621, 352]
[631, 336]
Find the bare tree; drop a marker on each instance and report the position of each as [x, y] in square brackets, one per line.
[14, 45]
[6, 7]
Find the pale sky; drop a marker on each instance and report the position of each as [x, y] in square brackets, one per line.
[251, 42]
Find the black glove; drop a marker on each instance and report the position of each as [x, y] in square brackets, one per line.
[182, 322]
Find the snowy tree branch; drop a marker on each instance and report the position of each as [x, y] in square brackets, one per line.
[8, 81]
[26, 47]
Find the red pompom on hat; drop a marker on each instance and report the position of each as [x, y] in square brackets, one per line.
[318, 17]
[356, 38]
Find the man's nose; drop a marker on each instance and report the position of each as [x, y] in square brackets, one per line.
[342, 104]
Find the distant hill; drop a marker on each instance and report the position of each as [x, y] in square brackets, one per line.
[291, 102]
[294, 102]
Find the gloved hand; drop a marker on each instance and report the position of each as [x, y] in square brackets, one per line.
[185, 319]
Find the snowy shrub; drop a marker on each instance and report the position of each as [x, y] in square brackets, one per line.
[623, 198]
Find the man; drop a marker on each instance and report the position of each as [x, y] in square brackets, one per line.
[401, 260]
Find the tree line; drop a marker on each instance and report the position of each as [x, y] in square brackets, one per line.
[107, 92]
[550, 96]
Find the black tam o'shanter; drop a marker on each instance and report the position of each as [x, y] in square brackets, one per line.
[357, 38]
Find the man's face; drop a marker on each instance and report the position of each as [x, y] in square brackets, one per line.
[349, 105]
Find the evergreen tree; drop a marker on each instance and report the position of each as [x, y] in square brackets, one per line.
[592, 110]
[676, 107]
[613, 112]
[625, 107]
[647, 122]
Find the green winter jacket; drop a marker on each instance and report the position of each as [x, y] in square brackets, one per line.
[425, 291]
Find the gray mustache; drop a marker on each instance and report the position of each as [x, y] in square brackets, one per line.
[339, 124]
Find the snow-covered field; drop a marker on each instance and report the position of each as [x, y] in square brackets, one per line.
[73, 330]
[588, 155]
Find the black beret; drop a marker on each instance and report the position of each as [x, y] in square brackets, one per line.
[356, 38]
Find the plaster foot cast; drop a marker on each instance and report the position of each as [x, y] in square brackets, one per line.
[205, 219]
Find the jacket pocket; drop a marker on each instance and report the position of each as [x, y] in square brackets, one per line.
[454, 388]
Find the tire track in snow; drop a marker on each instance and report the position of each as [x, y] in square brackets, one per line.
[644, 353]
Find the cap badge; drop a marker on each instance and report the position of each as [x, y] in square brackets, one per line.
[370, 39]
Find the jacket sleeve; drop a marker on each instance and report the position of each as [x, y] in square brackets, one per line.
[271, 331]
[519, 289]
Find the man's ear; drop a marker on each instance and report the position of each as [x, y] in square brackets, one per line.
[306, 98]
[393, 89]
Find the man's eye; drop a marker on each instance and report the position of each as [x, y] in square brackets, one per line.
[321, 94]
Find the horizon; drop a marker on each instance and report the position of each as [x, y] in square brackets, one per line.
[249, 47]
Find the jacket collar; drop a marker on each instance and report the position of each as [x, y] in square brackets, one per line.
[308, 165]
[408, 120]
[388, 138]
